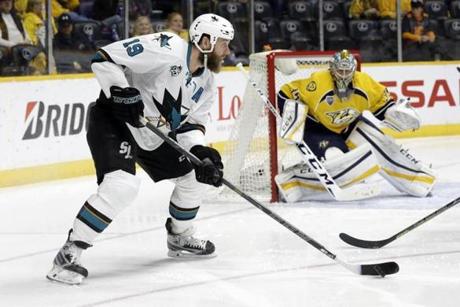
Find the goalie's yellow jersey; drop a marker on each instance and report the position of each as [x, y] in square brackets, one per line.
[324, 106]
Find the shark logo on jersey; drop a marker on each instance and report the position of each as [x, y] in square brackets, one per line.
[171, 108]
[344, 116]
[175, 70]
[164, 40]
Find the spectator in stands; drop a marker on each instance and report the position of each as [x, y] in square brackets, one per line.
[11, 27]
[175, 24]
[13, 35]
[34, 22]
[20, 6]
[142, 26]
[67, 39]
[63, 38]
[367, 9]
[59, 7]
[71, 49]
[418, 35]
[388, 8]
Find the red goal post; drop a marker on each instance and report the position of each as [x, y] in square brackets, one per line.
[254, 156]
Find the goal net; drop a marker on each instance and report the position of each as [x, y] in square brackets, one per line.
[253, 156]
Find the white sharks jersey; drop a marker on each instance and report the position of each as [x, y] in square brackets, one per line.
[157, 65]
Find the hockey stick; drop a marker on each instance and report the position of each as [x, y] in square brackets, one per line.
[378, 244]
[378, 269]
[347, 194]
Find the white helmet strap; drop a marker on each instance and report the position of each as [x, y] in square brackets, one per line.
[205, 60]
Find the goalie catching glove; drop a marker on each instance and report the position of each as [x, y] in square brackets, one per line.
[401, 116]
[211, 170]
[127, 105]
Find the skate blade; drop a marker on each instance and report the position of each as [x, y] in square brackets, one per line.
[188, 255]
[58, 274]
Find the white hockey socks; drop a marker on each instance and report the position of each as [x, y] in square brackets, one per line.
[117, 191]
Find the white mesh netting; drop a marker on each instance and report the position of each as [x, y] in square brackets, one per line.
[247, 154]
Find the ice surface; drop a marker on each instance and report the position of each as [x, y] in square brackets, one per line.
[259, 262]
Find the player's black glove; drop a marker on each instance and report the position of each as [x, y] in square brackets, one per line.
[210, 171]
[127, 105]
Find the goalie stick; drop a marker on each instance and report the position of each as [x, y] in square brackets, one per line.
[380, 243]
[377, 269]
[346, 194]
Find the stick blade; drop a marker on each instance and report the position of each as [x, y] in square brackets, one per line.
[380, 269]
[363, 243]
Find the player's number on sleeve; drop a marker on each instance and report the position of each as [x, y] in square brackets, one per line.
[133, 47]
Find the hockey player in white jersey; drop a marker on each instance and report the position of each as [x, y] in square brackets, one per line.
[170, 82]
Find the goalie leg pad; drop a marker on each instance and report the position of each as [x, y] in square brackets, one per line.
[399, 168]
[299, 182]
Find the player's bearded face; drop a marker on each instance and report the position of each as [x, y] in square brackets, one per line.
[214, 61]
[216, 58]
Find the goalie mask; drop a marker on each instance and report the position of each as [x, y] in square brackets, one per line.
[212, 25]
[342, 68]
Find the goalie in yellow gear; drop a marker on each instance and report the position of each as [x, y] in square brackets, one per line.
[351, 145]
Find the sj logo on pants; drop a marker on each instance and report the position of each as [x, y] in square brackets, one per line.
[125, 149]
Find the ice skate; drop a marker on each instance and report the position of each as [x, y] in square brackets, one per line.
[184, 245]
[66, 265]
